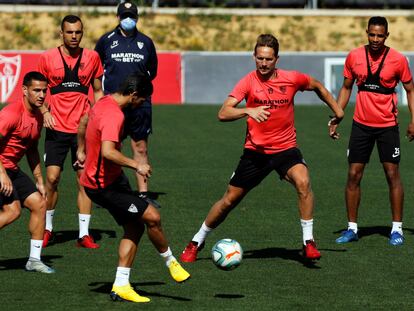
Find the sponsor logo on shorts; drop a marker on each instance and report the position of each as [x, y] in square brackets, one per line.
[396, 152]
[133, 208]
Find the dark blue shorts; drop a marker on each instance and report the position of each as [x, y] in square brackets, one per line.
[138, 122]
[23, 187]
[363, 139]
[254, 166]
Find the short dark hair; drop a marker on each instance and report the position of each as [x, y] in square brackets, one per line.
[136, 82]
[33, 75]
[378, 20]
[71, 19]
[269, 41]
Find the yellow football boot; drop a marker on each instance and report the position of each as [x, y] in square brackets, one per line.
[177, 272]
[126, 292]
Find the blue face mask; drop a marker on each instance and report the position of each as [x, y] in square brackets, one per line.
[128, 24]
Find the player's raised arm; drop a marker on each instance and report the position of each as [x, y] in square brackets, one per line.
[327, 98]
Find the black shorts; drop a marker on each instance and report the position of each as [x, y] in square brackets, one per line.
[363, 139]
[138, 123]
[57, 146]
[254, 167]
[23, 187]
[118, 198]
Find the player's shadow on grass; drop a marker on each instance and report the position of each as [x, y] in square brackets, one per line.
[105, 288]
[278, 252]
[228, 296]
[64, 236]
[367, 231]
[20, 263]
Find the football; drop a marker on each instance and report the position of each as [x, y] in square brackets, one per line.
[227, 254]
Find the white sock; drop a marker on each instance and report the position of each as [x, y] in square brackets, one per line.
[35, 249]
[168, 257]
[353, 226]
[49, 219]
[122, 276]
[84, 220]
[397, 227]
[202, 234]
[307, 230]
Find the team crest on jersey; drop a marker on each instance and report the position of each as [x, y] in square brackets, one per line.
[270, 90]
[9, 75]
[140, 44]
[282, 89]
[114, 44]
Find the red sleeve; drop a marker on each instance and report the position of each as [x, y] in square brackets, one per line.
[405, 74]
[8, 121]
[98, 65]
[111, 126]
[302, 81]
[241, 89]
[348, 67]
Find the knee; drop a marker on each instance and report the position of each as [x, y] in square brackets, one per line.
[229, 201]
[152, 219]
[140, 148]
[42, 206]
[393, 178]
[37, 205]
[354, 178]
[11, 212]
[15, 214]
[303, 187]
[53, 180]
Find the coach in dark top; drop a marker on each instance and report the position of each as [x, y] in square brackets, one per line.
[123, 51]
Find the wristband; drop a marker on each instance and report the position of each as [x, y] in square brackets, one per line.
[333, 119]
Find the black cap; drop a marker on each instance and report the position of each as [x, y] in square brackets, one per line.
[127, 9]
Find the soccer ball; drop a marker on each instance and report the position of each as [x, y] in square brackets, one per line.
[227, 254]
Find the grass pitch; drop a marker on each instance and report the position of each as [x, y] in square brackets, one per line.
[193, 156]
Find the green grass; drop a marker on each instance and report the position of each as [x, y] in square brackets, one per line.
[193, 156]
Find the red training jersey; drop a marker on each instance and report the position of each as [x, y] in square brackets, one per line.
[375, 109]
[67, 108]
[105, 123]
[19, 129]
[278, 132]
